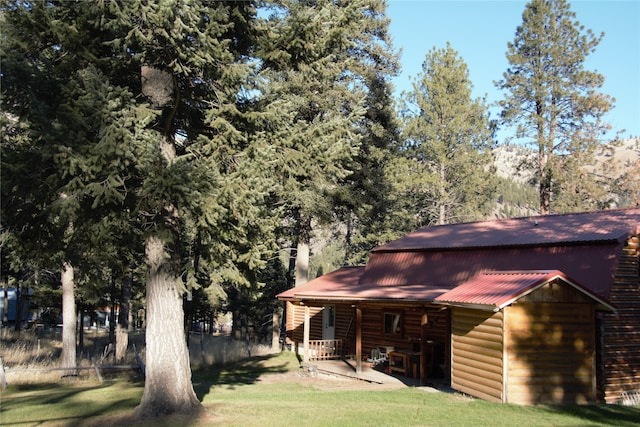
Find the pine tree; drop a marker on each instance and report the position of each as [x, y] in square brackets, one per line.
[364, 205]
[555, 104]
[326, 64]
[448, 137]
[155, 127]
[37, 209]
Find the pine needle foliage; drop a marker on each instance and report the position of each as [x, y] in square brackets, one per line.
[555, 105]
[445, 173]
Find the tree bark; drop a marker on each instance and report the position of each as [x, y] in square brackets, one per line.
[5, 306]
[303, 251]
[167, 387]
[122, 330]
[68, 356]
[112, 313]
[442, 210]
[18, 325]
[80, 346]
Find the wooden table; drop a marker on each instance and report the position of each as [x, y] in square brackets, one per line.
[402, 361]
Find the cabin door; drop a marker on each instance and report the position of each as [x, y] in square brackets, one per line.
[329, 322]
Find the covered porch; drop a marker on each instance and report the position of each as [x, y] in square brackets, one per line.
[408, 350]
[333, 318]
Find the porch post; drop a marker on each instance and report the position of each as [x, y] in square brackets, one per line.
[423, 348]
[358, 339]
[307, 326]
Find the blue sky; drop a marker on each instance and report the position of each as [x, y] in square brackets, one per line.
[479, 30]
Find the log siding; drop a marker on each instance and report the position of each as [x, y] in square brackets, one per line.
[550, 353]
[477, 353]
[619, 332]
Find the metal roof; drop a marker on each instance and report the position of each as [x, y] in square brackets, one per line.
[344, 278]
[599, 226]
[343, 285]
[594, 266]
[499, 289]
[429, 262]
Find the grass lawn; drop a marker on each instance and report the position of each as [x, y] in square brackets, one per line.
[246, 395]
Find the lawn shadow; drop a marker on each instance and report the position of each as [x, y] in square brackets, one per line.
[602, 415]
[62, 404]
[240, 373]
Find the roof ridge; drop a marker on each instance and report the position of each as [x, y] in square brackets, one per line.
[530, 217]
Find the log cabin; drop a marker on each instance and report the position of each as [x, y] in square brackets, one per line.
[528, 310]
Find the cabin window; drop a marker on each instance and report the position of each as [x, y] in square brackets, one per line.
[392, 323]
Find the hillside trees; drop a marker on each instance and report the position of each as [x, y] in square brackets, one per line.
[445, 172]
[555, 105]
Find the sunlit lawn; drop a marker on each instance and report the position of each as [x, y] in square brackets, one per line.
[235, 396]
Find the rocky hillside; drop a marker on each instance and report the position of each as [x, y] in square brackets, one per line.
[518, 198]
[509, 157]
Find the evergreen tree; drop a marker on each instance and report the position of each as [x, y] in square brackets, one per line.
[364, 205]
[143, 110]
[555, 104]
[326, 64]
[448, 137]
[38, 208]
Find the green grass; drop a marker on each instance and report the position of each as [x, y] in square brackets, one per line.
[66, 404]
[235, 396]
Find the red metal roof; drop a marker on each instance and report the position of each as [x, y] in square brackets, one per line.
[593, 266]
[585, 246]
[429, 262]
[501, 288]
[343, 285]
[343, 278]
[599, 226]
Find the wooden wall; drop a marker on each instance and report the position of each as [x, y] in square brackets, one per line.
[344, 327]
[619, 333]
[477, 353]
[550, 351]
[437, 328]
[295, 322]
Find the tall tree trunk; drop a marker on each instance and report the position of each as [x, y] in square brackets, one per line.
[442, 209]
[544, 166]
[112, 312]
[5, 306]
[348, 236]
[68, 356]
[167, 387]
[303, 251]
[122, 330]
[80, 328]
[18, 324]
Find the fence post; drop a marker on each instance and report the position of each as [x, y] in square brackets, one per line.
[97, 370]
[140, 362]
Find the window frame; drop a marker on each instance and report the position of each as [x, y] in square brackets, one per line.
[395, 322]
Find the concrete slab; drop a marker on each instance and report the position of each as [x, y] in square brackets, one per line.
[346, 368]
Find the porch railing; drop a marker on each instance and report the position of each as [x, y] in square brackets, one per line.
[325, 349]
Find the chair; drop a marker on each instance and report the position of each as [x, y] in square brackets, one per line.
[376, 357]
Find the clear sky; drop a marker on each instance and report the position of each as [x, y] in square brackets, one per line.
[480, 30]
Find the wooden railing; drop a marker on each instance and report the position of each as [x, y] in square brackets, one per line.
[325, 349]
